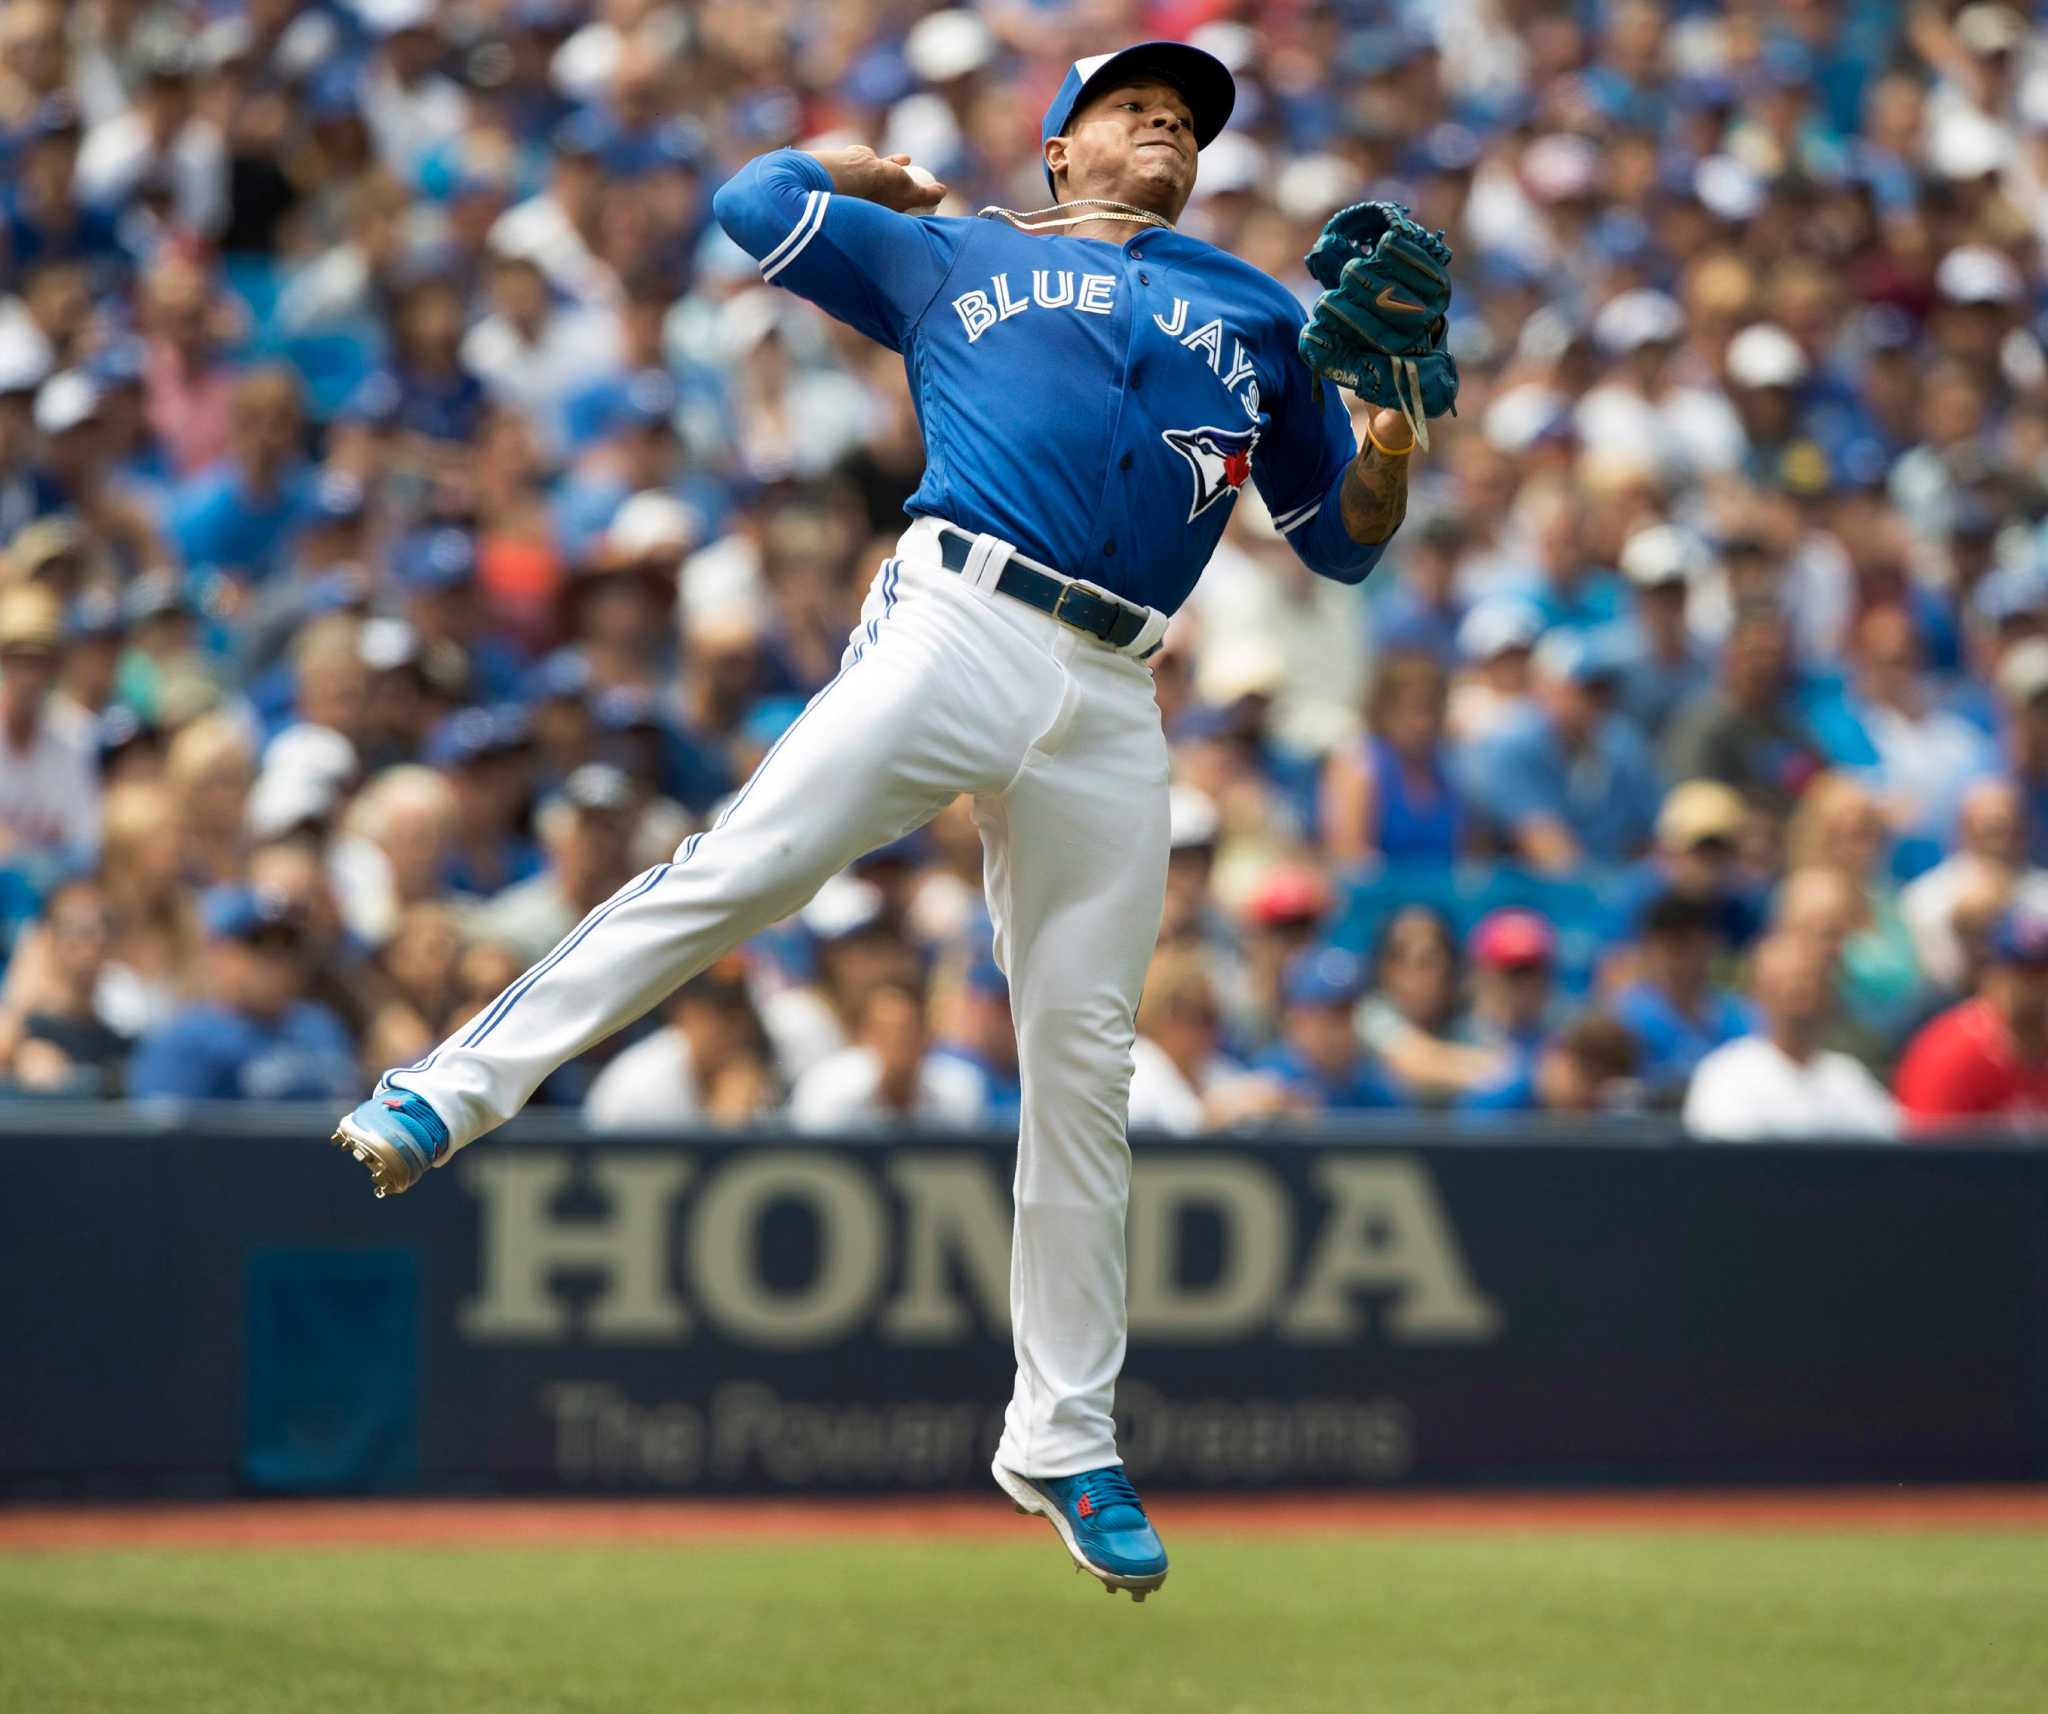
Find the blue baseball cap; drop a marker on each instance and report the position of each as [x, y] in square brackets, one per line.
[1203, 80]
[2021, 938]
[96, 616]
[627, 708]
[338, 498]
[648, 400]
[434, 560]
[376, 402]
[469, 735]
[242, 913]
[1327, 976]
[563, 676]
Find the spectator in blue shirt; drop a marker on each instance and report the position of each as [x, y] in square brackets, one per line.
[1420, 611]
[1674, 1009]
[1573, 781]
[981, 1035]
[1590, 1067]
[437, 571]
[1569, 589]
[1389, 797]
[1663, 666]
[238, 519]
[255, 1037]
[1319, 1062]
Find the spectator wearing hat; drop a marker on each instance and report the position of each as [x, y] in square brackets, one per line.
[75, 475]
[639, 453]
[1673, 1008]
[1390, 797]
[1984, 1062]
[1745, 732]
[1778, 1082]
[978, 1031]
[49, 776]
[1513, 955]
[1497, 642]
[1663, 667]
[96, 636]
[409, 105]
[1319, 1064]
[253, 1036]
[1574, 781]
[24, 362]
[891, 1075]
[1767, 377]
[586, 835]
[639, 345]
[1643, 406]
[43, 218]
[1282, 917]
[482, 754]
[709, 1063]
[1703, 838]
[159, 139]
[436, 573]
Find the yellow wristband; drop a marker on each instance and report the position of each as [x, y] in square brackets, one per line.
[1387, 451]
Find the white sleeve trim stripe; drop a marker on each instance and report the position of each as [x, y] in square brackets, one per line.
[1294, 520]
[805, 230]
[790, 237]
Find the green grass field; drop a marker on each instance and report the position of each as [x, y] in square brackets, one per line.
[1568, 1623]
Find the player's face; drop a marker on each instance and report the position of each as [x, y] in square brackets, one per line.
[1134, 143]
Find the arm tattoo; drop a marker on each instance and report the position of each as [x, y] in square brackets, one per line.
[1374, 498]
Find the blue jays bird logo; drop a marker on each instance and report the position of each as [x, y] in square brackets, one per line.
[1220, 458]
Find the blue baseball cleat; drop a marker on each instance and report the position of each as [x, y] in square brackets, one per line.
[1102, 1521]
[397, 1136]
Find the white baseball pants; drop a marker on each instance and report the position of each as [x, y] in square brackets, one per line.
[946, 687]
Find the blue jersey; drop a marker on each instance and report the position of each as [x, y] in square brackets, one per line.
[1096, 404]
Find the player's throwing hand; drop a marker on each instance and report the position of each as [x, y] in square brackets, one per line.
[886, 179]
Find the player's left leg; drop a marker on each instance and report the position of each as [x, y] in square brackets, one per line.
[1076, 870]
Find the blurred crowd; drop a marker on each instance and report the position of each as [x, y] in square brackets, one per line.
[417, 518]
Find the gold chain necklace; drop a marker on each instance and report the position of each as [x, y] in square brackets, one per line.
[1035, 221]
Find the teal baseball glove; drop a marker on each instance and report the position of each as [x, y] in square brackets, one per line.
[1379, 326]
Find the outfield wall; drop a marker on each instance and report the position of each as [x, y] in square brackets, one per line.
[194, 1307]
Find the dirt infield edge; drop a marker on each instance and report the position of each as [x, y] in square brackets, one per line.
[302, 1523]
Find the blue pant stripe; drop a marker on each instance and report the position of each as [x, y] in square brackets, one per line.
[518, 991]
[501, 1008]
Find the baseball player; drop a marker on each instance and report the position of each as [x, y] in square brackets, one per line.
[1094, 389]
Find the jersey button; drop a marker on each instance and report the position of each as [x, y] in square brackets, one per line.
[1144, 279]
[1124, 463]
[1108, 548]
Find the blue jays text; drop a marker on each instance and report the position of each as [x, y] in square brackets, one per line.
[1096, 404]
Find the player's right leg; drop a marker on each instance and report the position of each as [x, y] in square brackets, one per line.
[939, 695]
